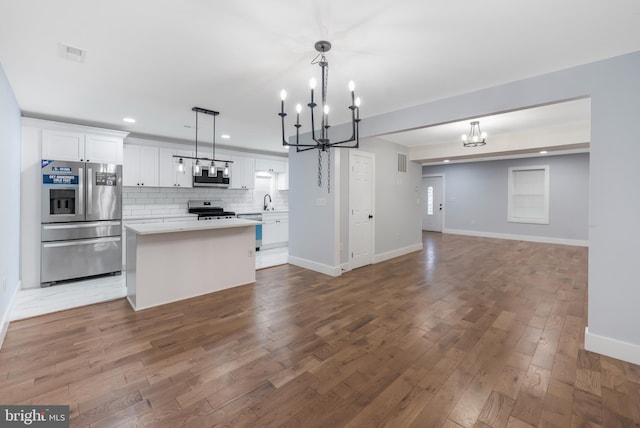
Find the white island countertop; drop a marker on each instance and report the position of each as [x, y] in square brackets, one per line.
[184, 226]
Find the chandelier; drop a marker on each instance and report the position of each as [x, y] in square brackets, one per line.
[197, 167]
[476, 137]
[321, 140]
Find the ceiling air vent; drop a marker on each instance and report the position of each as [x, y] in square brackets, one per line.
[402, 162]
[72, 53]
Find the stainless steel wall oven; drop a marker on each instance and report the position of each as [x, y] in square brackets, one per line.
[81, 231]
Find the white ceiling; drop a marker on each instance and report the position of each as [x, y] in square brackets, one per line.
[155, 59]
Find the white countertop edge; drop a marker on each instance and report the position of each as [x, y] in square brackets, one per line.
[186, 226]
[157, 216]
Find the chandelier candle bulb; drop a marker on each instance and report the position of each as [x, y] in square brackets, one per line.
[298, 110]
[352, 87]
[283, 96]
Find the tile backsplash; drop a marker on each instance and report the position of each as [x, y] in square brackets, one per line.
[152, 201]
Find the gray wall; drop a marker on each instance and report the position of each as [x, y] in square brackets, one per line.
[313, 223]
[10, 136]
[476, 196]
[614, 208]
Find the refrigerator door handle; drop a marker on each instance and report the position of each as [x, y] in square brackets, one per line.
[81, 191]
[89, 190]
[79, 242]
[80, 225]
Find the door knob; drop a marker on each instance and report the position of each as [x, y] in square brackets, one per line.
[370, 216]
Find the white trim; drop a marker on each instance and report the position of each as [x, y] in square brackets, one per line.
[397, 253]
[610, 347]
[315, 266]
[6, 318]
[511, 215]
[529, 238]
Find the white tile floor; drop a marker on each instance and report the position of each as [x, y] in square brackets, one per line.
[39, 301]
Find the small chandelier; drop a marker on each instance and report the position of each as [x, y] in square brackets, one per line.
[476, 137]
[322, 141]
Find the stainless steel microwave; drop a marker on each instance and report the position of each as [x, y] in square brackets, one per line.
[216, 181]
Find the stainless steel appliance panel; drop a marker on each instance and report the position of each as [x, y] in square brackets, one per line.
[103, 191]
[63, 191]
[216, 181]
[62, 260]
[84, 230]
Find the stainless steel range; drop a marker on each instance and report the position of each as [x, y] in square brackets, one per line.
[209, 210]
[81, 231]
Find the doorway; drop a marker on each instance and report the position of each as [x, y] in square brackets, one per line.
[432, 203]
[361, 207]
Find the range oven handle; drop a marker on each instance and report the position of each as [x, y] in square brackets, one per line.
[81, 191]
[80, 242]
[79, 225]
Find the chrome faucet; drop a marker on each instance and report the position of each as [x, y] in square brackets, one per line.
[265, 200]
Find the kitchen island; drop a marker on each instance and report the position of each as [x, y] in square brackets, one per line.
[167, 262]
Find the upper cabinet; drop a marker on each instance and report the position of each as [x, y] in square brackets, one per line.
[283, 179]
[271, 165]
[243, 172]
[72, 144]
[168, 175]
[140, 166]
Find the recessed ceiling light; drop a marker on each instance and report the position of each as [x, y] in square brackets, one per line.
[543, 152]
[446, 161]
[225, 136]
[129, 119]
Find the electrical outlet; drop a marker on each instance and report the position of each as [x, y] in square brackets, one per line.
[397, 236]
[250, 253]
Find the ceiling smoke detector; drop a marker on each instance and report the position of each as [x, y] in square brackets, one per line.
[72, 53]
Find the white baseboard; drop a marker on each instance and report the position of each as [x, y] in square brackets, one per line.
[529, 238]
[397, 253]
[6, 317]
[614, 348]
[315, 266]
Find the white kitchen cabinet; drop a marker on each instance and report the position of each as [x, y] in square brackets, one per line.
[77, 146]
[275, 229]
[282, 182]
[243, 172]
[140, 166]
[270, 165]
[103, 149]
[168, 175]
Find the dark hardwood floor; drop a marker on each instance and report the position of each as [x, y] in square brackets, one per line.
[468, 332]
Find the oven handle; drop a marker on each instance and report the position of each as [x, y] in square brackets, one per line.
[80, 242]
[80, 225]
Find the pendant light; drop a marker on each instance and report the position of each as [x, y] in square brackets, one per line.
[197, 170]
[212, 169]
[197, 166]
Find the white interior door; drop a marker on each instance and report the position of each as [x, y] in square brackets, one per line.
[432, 208]
[361, 203]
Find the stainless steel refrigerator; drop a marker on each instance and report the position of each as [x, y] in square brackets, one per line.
[81, 231]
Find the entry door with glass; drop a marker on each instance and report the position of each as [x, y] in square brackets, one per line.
[432, 210]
